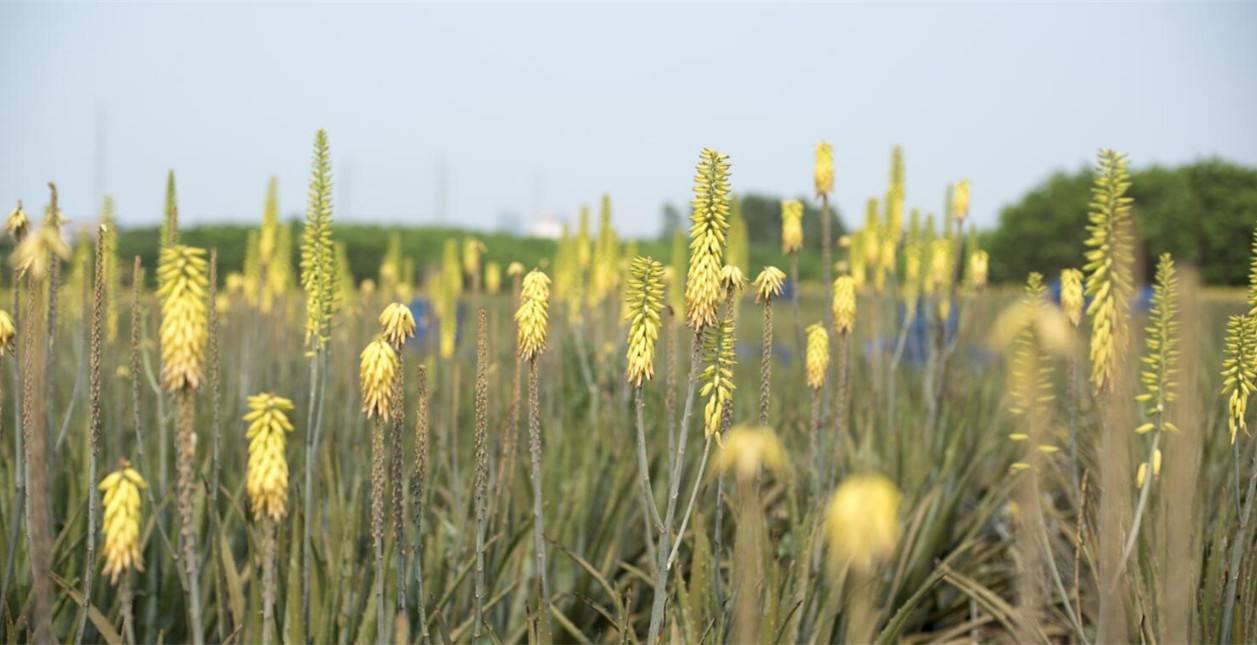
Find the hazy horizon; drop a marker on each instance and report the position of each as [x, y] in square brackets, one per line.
[538, 108]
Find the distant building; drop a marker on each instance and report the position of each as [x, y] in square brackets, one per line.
[547, 226]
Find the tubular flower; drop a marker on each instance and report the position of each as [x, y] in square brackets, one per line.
[7, 332]
[960, 200]
[1071, 295]
[533, 314]
[122, 521]
[709, 225]
[378, 367]
[823, 171]
[768, 284]
[1161, 340]
[17, 224]
[318, 253]
[979, 262]
[1110, 267]
[267, 479]
[817, 356]
[717, 376]
[34, 253]
[791, 226]
[861, 523]
[844, 304]
[182, 288]
[1239, 370]
[515, 269]
[731, 279]
[492, 278]
[643, 303]
[397, 324]
[747, 449]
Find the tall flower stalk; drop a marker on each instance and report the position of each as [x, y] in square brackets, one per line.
[643, 307]
[767, 288]
[182, 288]
[709, 226]
[320, 282]
[267, 484]
[532, 320]
[377, 372]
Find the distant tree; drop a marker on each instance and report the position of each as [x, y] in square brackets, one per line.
[1203, 213]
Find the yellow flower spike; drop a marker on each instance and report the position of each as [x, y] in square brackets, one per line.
[492, 278]
[768, 284]
[1239, 371]
[35, 252]
[643, 304]
[1110, 267]
[817, 356]
[515, 269]
[397, 324]
[533, 314]
[748, 449]
[862, 523]
[1071, 295]
[791, 225]
[121, 521]
[17, 223]
[844, 304]
[266, 478]
[182, 287]
[960, 200]
[717, 376]
[979, 264]
[731, 279]
[709, 225]
[378, 368]
[823, 171]
[7, 332]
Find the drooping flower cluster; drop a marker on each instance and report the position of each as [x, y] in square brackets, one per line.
[643, 303]
[397, 324]
[708, 228]
[378, 368]
[182, 288]
[121, 524]
[267, 475]
[533, 315]
[844, 304]
[816, 359]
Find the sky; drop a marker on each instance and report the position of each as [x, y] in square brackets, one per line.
[478, 115]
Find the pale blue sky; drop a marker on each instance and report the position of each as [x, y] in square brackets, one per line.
[547, 106]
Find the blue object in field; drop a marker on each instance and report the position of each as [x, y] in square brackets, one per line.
[1142, 301]
[426, 321]
[917, 341]
[787, 290]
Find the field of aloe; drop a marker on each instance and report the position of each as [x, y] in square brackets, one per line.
[609, 447]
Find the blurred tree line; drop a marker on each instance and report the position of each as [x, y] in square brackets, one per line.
[1203, 213]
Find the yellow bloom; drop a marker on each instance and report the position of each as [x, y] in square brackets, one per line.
[17, 223]
[861, 523]
[844, 304]
[643, 303]
[1071, 295]
[979, 262]
[823, 172]
[33, 254]
[768, 284]
[378, 368]
[7, 332]
[791, 225]
[267, 475]
[121, 522]
[533, 314]
[746, 449]
[817, 357]
[1110, 267]
[492, 278]
[1239, 371]
[397, 324]
[940, 277]
[473, 250]
[709, 225]
[960, 200]
[717, 376]
[731, 279]
[515, 269]
[182, 288]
